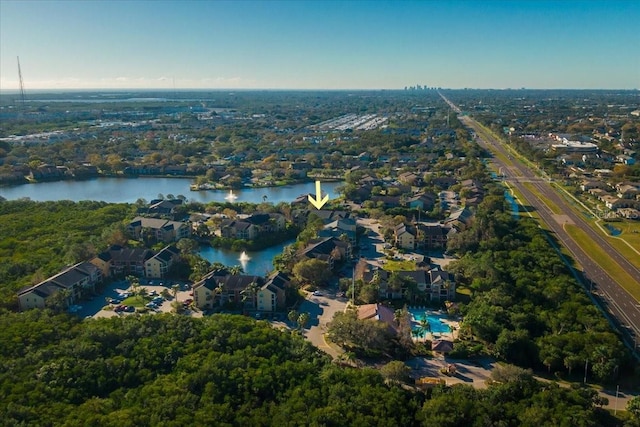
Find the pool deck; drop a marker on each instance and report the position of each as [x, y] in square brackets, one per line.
[444, 319]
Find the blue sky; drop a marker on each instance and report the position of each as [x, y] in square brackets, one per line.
[320, 45]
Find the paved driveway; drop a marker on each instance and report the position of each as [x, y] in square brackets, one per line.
[321, 310]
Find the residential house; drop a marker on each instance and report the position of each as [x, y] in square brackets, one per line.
[158, 229]
[163, 208]
[250, 227]
[388, 201]
[423, 201]
[75, 280]
[628, 190]
[410, 178]
[143, 170]
[329, 249]
[238, 229]
[625, 159]
[157, 267]
[272, 295]
[120, 261]
[444, 182]
[340, 227]
[432, 236]
[300, 216]
[405, 236]
[459, 219]
[47, 172]
[441, 285]
[613, 202]
[589, 184]
[213, 290]
[378, 313]
[434, 284]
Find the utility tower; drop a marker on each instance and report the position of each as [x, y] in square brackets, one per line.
[22, 96]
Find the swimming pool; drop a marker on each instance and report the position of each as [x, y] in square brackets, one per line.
[434, 318]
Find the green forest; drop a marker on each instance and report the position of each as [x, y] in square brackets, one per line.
[37, 239]
[228, 370]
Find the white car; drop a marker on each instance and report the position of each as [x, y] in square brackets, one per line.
[317, 294]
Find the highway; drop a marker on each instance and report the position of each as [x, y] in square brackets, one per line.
[619, 304]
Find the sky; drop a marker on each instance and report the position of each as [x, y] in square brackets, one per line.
[242, 44]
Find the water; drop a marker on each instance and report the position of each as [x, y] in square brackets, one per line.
[253, 263]
[514, 206]
[434, 319]
[128, 190]
[612, 230]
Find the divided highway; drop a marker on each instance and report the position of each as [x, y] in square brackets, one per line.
[621, 306]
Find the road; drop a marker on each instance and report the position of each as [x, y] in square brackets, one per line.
[321, 310]
[613, 297]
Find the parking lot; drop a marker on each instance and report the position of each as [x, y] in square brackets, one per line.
[95, 307]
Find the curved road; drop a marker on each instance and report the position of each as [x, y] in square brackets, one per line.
[620, 304]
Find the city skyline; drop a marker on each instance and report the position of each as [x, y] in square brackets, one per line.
[319, 45]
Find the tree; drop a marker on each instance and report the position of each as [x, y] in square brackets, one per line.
[143, 293]
[424, 327]
[293, 317]
[511, 373]
[59, 301]
[395, 372]
[249, 294]
[187, 246]
[303, 319]
[134, 283]
[312, 271]
[633, 406]
[236, 270]
[175, 289]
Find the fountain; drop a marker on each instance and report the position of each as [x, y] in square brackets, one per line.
[231, 197]
[244, 260]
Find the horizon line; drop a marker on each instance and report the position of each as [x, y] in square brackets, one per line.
[407, 88]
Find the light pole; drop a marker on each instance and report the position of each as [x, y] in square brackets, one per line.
[615, 411]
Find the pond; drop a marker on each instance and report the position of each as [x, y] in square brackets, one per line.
[255, 263]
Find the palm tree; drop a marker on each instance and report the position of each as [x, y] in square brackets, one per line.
[303, 319]
[236, 270]
[250, 293]
[293, 316]
[134, 283]
[264, 198]
[175, 289]
[424, 327]
[142, 293]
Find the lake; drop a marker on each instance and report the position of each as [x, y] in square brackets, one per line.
[128, 190]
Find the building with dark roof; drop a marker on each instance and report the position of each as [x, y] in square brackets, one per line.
[76, 280]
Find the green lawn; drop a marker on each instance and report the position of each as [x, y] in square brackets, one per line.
[395, 265]
[136, 301]
[603, 260]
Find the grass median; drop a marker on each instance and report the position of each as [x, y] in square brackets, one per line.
[600, 257]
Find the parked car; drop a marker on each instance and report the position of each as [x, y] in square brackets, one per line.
[129, 309]
[114, 301]
[188, 301]
[317, 293]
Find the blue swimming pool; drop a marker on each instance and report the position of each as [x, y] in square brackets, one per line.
[434, 318]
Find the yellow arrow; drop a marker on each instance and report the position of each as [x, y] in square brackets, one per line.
[318, 202]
